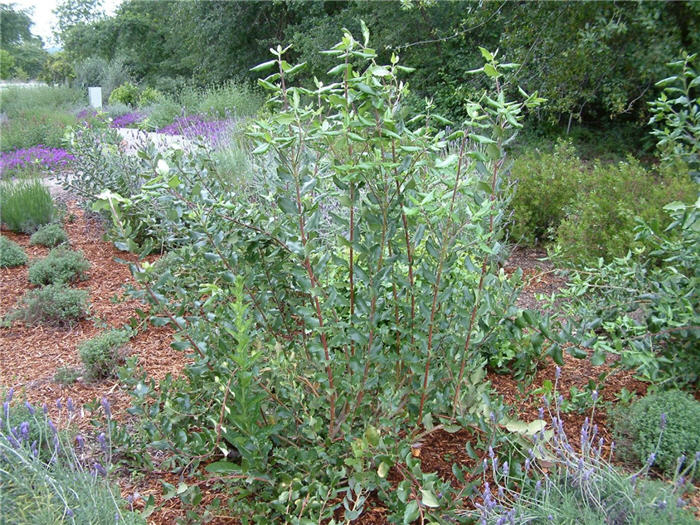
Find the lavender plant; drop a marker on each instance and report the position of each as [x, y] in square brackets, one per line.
[49, 475]
[571, 480]
[26, 205]
[35, 157]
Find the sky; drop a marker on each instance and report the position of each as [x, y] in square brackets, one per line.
[44, 19]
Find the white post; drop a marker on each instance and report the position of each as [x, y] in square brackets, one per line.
[95, 94]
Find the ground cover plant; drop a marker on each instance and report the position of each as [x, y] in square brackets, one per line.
[49, 235]
[26, 205]
[102, 354]
[21, 161]
[61, 265]
[54, 305]
[11, 254]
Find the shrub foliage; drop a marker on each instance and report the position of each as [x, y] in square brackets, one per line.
[49, 235]
[11, 254]
[55, 304]
[61, 265]
[102, 354]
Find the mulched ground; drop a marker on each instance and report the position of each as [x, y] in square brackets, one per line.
[30, 356]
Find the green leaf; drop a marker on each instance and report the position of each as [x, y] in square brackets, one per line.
[486, 54]
[429, 499]
[410, 513]
[264, 65]
[491, 71]
[222, 467]
[383, 469]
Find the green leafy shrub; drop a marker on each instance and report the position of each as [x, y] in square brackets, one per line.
[61, 265]
[35, 126]
[665, 424]
[546, 184]
[11, 254]
[676, 115]
[149, 96]
[600, 220]
[54, 304]
[17, 101]
[231, 99]
[643, 307]
[127, 94]
[49, 235]
[102, 354]
[162, 114]
[26, 205]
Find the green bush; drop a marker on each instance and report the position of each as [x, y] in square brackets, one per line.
[49, 235]
[17, 101]
[231, 99]
[127, 94]
[26, 205]
[11, 254]
[35, 126]
[640, 431]
[61, 265]
[149, 96]
[54, 304]
[600, 220]
[102, 354]
[546, 184]
[162, 114]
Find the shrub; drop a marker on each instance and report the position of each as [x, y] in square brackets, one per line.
[231, 99]
[162, 114]
[665, 424]
[11, 254]
[127, 94]
[49, 235]
[35, 126]
[16, 101]
[149, 96]
[600, 220]
[546, 184]
[55, 304]
[102, 354]
[26, 205]
[643, 307]
[61, 265]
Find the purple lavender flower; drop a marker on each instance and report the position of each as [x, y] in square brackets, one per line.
[128, 119]
[99, 469]
[103, 442]
[215, 132]
[651, 459]
[10, 393]
[24, 430]
[71, 406]
[59, 405]
[30, 408]
[52, 427]
[540, 412]
[663, 420]
[35, 449]
[80, 440]
[40, 155]
[45, 408]
[6, 409]
[594, 395]
[557, 373]
[106, 407]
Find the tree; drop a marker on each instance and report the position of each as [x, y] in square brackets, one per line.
[7, 64]
[15, 26]
[71, 13]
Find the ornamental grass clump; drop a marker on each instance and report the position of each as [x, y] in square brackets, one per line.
[53, 305]
[49, 235]
[572, 481]
[11, 254]
[50, 475]
[61, 265]
[26, 205]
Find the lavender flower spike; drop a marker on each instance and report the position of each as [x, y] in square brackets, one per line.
[106, 407]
